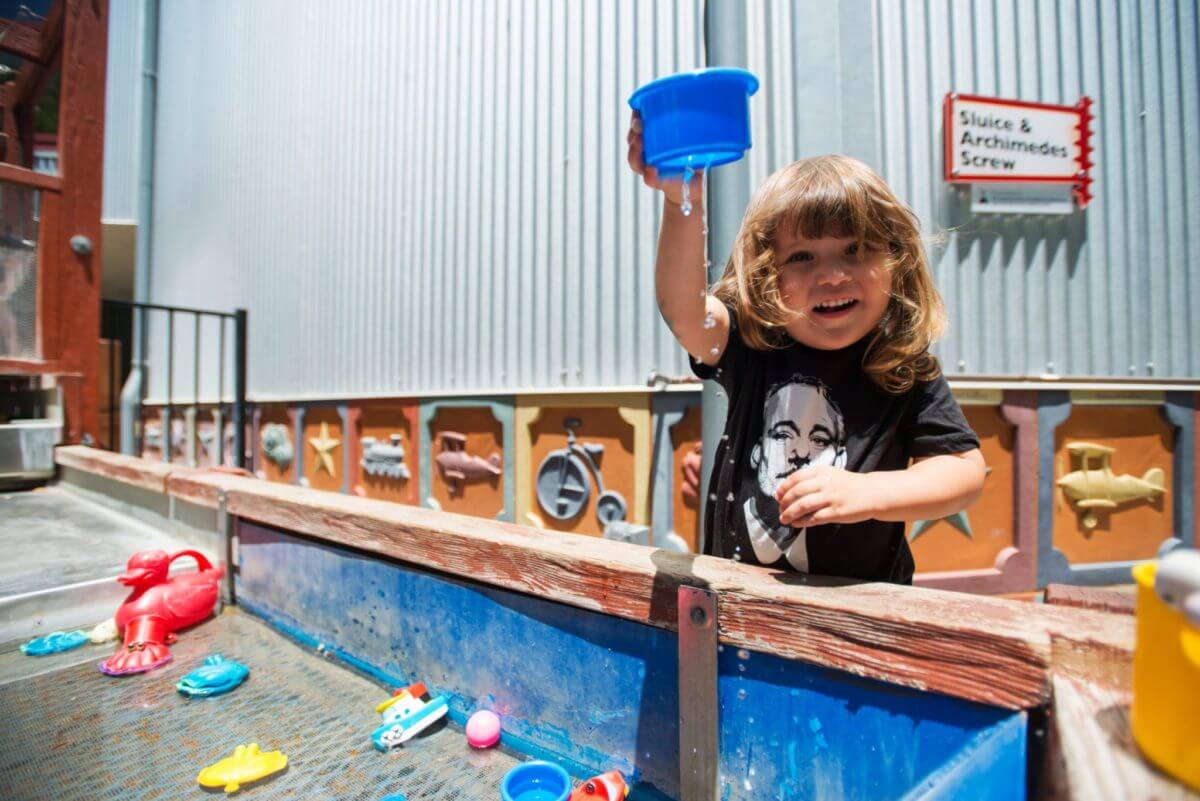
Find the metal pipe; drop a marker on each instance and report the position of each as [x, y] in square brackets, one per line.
[134, 391]
[728, 194]
[167, 422]
[239, 388]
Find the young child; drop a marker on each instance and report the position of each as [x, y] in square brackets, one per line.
[841, 426]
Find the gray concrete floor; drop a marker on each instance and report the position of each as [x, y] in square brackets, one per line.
[50, 538]
[61, 556]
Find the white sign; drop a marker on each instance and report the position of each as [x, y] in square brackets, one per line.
[988, 139]
[1015, 198]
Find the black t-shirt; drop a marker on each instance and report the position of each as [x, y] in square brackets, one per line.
[800, 405]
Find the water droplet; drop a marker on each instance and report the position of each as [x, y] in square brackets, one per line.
[685, 204]
[737, 557]
[743, 653]
[741, 668]
[704, 294]
[712, 496]
[741, 694]
[714, 350]
[724, 437]
[710, 321]
[751, 767]
[747, 785]
[729, 497]
[720, 649]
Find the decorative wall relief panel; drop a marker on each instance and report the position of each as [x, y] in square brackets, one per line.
[973, 538]
[465, 464]
[386, 463]
[583, 463]
[323, 465]
[275, 445]
[1108, 484]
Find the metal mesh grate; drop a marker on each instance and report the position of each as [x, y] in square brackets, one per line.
[18, 272]
[75, 733]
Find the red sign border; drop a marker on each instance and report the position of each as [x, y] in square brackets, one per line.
[1082, 179]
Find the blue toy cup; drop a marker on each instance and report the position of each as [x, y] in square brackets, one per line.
[535, 781]
[695, 119]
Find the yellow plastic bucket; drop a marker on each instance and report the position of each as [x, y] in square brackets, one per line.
[1166, 678]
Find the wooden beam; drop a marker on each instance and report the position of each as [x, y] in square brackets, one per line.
[27, 367]
[131, 470]
[1104, 599]
[34, 180]
[33, 76]
[24, 40]
[1091, 753]
[982, 649]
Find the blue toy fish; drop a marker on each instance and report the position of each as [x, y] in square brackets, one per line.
[54, 643]
[218, 675]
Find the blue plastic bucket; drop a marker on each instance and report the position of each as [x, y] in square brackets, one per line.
[535, 781]
[695, 119]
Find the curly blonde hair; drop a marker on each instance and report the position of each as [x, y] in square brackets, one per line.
[837, 196]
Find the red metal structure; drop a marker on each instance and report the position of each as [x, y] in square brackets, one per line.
[70, 43]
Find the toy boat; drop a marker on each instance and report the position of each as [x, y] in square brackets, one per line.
[405, 715]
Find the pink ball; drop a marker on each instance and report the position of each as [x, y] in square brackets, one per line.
[483, 729]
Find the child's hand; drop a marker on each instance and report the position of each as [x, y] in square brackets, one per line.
[671, 187]
[814, 496]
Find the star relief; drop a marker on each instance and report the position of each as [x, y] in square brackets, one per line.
[959, 520]
[324, 445]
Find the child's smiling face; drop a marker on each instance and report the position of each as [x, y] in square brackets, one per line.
[839, 292]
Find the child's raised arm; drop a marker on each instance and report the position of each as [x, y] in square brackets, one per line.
[699, 321]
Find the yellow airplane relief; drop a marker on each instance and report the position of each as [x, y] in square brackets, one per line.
[1099, 488]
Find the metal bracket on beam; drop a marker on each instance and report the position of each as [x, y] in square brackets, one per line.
[226, 535]
[698, 712]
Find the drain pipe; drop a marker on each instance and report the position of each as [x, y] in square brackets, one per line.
[728, 194]
[134, 390]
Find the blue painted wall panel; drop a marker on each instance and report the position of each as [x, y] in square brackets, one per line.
[794, 731]
[597, 692]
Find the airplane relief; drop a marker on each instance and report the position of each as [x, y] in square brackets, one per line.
[1099, 487]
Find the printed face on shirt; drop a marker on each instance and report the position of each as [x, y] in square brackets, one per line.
[800, 427]
[838, 289]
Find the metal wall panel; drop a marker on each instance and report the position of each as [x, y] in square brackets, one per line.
[1111, 291]
[122, 97]
[417, 198]
[414, 197]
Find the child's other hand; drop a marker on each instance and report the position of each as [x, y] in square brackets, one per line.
[814, 496]
[671, 187]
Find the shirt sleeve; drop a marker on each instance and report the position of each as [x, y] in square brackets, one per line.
[726, 370]
[935, 424]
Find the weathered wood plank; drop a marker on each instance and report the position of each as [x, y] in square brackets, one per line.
[1093, 753]
[982, 649]
[1102, 599]
[37, 180]
[22, 39]
[130, 470]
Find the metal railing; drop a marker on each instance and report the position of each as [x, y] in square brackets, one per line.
[238, 320]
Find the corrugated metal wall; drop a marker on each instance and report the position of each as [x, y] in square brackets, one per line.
[122, 110]
[419, 197]
[413, 197]
[1112, 291]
